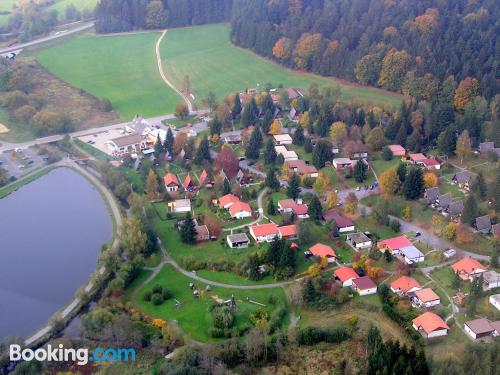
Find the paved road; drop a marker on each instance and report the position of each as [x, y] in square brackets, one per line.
[49, 38]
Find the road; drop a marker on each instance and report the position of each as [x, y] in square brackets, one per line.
[49, 38]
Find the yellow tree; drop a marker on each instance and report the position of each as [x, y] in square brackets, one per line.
[449, 231]
[430, 180]
[407, 213]
[283, 48]
[467, 90]
[322, 183]
[332, 200]
[463, 149]
[304, 120]
[152, 188]
[275, 128]
[338, 132]
[389, 181]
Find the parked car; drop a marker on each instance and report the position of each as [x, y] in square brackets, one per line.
[448, 253]
[418, 234]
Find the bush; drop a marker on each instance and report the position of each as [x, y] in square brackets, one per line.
[157, 288]
[156, 299]
[386, 153]
[314, 335]
[147, 296]
[222, 317]
[165, 293]
[395, 225]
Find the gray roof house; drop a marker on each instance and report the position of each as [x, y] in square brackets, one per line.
[431, 194]
[486, 147]
[483, 224]
[444, 200]
[455, 208]
[461, 178]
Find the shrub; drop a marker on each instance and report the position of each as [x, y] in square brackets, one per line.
[147, 296]
[157, 288]
[165, 293]
[222, 317]
[156, 299]
[314, 335]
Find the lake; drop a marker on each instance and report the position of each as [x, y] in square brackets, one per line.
[51, 232]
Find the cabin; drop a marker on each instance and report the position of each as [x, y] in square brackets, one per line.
[188, 184]
[444, 201]
[323, 251]
[288, 232]
[171, 183]
[405, 285]
[468, 268]
[425, 298]
[430, 325]
[455, 209]
[287, 155]
[238, 241]
[359, 241]
[344, 224]
[462, 179]
[205, 179]
[431, 195]
[345, 275]
[364, 286]
[495, 230]
[479, 328]
[264, 232]
[483, 224]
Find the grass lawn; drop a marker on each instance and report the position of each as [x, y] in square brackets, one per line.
[444, 277]
[5, 10]
[333, 176]
[380, 165]
[204, 53]
[299, 150]
[60, 5]
[231, 278]
[135, 179]
[121, 68]
[193, 316]
[18, 132]
[451, 345]
[368, 224]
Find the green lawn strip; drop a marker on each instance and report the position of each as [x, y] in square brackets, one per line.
[368, 224]
[143, 275]
[24, 181]
[6, 10]
[153, 260]
[299, 150]
[231, 278]
[380, 165]
[444, 277]
[121, 68]
[204, 53]
[135, 179]
[178, 123]
[193, 316]
[91, 150]
[60, 6]
[445, 187]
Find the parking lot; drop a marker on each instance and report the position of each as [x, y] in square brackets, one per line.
[17, 164]
[98, 140]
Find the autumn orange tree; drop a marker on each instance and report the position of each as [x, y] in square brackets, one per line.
[430, 180]
[307, 46]
[467, 90]
[283, 48]
[389, 181]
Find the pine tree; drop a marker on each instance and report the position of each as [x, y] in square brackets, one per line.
[293, 189]
[215, 126]
[455, 284]
[401, 171]
[270, 153]
[188, 231]
[250, 113]
[236, 110]
[322, 153]
[272, 181]
[158, 147]
[203, 152]
[308, 147]
[494, 255]
[271, 208]
[413, 187]
[480, 185]
[254, 144]
[470, 211]
[298, 136]
[309, 292]
[226, 187]
[168, 144]
[315, 209]
[360, 171]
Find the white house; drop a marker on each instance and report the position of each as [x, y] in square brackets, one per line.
[495, 301]
[240, 210]
[430, 325]
[132, 143]
[491, 280]
[343, 163]
[478, 328]
[411, 254]
[264, 232]
[179, 206]
[287, 155]
[346, 275]
[359, 240]
[425, 298]
[237, 241]
[282, 139]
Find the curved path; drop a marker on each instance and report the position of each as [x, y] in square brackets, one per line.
[163, 75]
[261, 213]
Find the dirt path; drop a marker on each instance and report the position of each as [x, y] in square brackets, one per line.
[163, 75]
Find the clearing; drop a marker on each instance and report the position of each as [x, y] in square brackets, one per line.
[205, 54]
[5, 10]
[121, 68]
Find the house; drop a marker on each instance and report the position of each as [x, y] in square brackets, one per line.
[397, 150]
[179, 206]
[495, 230]
[415, 158]
[359, 240]
[491, 280]
[359, 155]
[152, 134]
[394, 245]
[468, 268]
[293, 93]
[323, 251]
[171, 182]
[287, 155]
[228, 200]
[479, 328]
[483, 224]
[431, 194]
[405, 285]
[288, 231]
[343, 163]
[344, 224]
[205, 179]
[300, 210]
[495, 301]
[346, 275]
[425, 298]
[486, 147]
[411, 254]
[127, 144]
[282, 139]
[188, 184]
[455, 209]
[364, 286]
[202, 233]
[232, 138]
[237, 241]
[301, 168]
[293, 115]
[264, 232]
[430, 164]
[240, 210]
[430, 325]
[335, 149]
[444, 201]
[462, 179]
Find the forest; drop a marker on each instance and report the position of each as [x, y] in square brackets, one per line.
[403, 46]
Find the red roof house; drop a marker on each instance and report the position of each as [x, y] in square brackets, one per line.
[227, 200]
[205, 179]
[346, 275]
[430, 325]
[321, 250]
[417, 158]
[188, 183]
[171, 182]
[289, 205]
[404, 285]
[344, 224]
[364, 286]
[288, 231]
[264, 232]
[397, 150]
[240, 210]
[468, 268]
[394, 244]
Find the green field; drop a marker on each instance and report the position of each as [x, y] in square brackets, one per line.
[60, 5]
[121, 68]
[205, 54]
[6, 9]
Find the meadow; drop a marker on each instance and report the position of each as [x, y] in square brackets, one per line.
[60, 5]
[205, 54]
[121, 68]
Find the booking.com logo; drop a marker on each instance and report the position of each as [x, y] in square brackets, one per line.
[80, 356]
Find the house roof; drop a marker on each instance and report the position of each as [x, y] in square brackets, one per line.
[444, 200]
[467, 265]
[411, 252]
[404, 284]
[204, 177]
[359, 237]
[293, 93]
[202, 230]
[127, 140]
[341, 221]
[455, 208]
[418, 157]
[479, 326]
[431, 194]
[288, 230]
[395, 243]
[238, 207]
[345, 273]
[321, 250]
[486, 147]
[301, 166]
[397, 150]
[187, 182]
[461, 177]
[228, 199]
[282, 138]
[430, 322]
[282, 150]
[426, 295]
[344, 161]
[364, 282]
[182, 203]
[495, 230]
[287, 203]
[491, 277]
[265, 230]
[298, 209]
[483, 222]
[429, 162]
[238, 237]
[170, 179]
